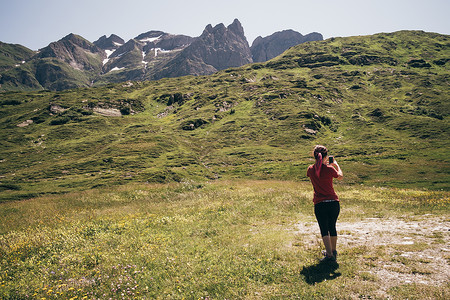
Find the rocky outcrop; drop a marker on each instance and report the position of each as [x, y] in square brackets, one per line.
[264, 49]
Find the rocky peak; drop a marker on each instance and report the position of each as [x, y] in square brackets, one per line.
[110, 43]
[257, 41]
[208, 28]
[217, 48]
[73, 38]
[236, 27]
[271, 46]
[68, 43]
[72, 49]
[72, 52]
[79, 41]
[218, 29]
[313, 36]
[222, 47]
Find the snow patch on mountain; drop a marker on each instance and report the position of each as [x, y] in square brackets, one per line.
[160, 50]
[108, 54]
[150, 40]
[143, 59]
[116, 69]
[18, 65]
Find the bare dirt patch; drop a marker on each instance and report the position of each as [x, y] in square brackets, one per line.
[393, 252]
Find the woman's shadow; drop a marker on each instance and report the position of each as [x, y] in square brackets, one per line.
[320, 272]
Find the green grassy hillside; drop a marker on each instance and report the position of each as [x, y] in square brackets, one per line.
[380, 103]
[12, 55]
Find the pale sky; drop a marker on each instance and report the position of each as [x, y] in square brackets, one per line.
[36, 23]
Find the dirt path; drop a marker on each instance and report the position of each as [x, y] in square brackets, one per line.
[393, 252]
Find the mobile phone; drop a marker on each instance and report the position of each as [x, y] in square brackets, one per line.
[330, 159]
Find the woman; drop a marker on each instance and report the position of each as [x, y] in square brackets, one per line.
[326, 202]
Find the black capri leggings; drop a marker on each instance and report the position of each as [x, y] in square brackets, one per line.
[326, 215]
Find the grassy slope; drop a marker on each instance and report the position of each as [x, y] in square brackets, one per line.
[384, 118]
[12, 55]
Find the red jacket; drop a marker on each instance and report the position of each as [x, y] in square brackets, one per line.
[323, 185]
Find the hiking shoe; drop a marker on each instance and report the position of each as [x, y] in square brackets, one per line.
[328, 259]
[324, 253]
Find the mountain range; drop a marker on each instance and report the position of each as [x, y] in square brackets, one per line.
[379, 103]
[75, 62]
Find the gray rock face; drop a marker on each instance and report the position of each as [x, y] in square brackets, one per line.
[216, 49]
[264, 49]
[223, 47]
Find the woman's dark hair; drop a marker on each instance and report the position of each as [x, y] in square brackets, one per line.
[320, 149]
[319, 153]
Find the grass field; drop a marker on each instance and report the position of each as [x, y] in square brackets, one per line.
[237, 239]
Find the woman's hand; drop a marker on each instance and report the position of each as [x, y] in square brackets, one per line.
[338, 169]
